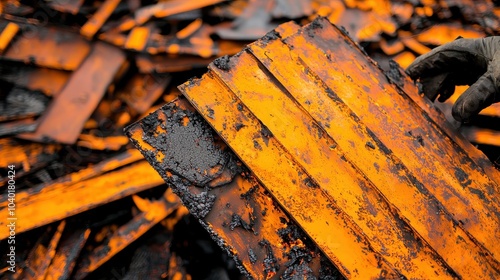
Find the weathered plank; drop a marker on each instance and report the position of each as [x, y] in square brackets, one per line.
[79, 97]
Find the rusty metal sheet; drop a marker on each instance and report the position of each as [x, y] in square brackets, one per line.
[340, 109]
[48, 47]
[79, 97]
[240, 218]
[85, 194]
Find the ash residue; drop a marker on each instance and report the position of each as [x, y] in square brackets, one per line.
[199, 205]
[271, 35]
[237, 221]
[297, 267]
[188, 148]
[222, 63]
[252, 256]
[290, 233]
[150, 123]
[394, 74]
[316, 23]
[271, 265]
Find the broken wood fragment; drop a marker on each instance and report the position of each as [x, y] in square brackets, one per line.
[49, 47]
[79, 97]
[88, 194]
[92, 26]
[152, 212]
[7, 35]
[66, 255]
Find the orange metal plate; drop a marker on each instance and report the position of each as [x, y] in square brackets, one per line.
[311, 112]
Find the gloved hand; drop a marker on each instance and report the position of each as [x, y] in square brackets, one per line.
[474, 62]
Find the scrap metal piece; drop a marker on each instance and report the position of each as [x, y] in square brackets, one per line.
[242, 219]
[79, 97]
[336, 106]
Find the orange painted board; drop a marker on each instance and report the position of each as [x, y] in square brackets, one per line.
[60, 201]
[79, 97]
[92, 26]
[243, 215]
[7, 34]
[447, 172]
[138, 38]
[424, 212]
[286, 181]
[319, 83]
[311, 149]
[49, 47]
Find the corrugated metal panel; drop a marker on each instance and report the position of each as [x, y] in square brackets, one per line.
[365, 166]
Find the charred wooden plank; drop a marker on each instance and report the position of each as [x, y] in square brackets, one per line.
[8, 33]
[92, 26]
[66, 255]
[41, 256]
[21, 103]
[25, 155]
[67, 6]
[48, 81]
[164, 9]
[49, 47]
[143, 90]
[87, 194]
[152, 213]
[79, 97]
[16, 127]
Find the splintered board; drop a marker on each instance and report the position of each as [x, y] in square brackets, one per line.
[365, 167]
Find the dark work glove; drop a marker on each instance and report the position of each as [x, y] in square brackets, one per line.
[474, 62]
